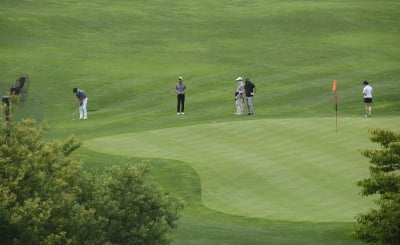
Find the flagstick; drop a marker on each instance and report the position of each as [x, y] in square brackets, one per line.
[336, 107]
[334, 87]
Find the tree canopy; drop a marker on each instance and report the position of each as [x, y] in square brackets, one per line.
[46, 197]
[382, 225]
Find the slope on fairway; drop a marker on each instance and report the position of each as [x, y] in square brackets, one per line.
[286, 169]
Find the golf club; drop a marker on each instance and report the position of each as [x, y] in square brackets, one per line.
[74, 114]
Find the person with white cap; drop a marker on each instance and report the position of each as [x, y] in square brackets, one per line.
[239, 96]
[180, 90]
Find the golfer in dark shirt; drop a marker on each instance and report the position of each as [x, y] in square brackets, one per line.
[250, 90]
[180, 90]
[82, 100]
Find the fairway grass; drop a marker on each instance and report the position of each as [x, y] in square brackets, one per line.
[280, 169]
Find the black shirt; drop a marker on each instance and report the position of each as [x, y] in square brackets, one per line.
[249, 89]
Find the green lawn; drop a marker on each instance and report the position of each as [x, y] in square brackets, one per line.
[260, 173]
[284, 176]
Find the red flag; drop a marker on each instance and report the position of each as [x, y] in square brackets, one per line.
[334, 85]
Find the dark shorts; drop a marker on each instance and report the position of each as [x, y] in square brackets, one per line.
[367, 100]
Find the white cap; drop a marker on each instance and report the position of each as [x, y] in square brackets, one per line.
[180, 78]
[239, 79]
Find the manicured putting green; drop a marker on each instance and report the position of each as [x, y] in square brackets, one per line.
[284, 169]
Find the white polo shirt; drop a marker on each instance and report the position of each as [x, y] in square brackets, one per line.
[367, 91]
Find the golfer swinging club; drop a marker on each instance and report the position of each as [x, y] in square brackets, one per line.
[82, 99]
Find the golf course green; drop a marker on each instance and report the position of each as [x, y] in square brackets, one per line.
[258, 174]
[285, 176]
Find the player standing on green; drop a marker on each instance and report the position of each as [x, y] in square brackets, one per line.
[239, 96]
[250, 90]
[367, 92]
[180, 90]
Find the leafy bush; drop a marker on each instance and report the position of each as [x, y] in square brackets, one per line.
[46, 198]
[382, 226]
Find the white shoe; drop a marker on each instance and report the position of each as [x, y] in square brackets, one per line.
[182, 113]
[178, 113]
[85, 118]
[81, 118]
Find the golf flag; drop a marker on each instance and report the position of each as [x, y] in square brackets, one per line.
[334, 85]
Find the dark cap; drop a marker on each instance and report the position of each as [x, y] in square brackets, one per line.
[365, 83]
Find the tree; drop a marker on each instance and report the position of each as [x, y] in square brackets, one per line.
[46, 198]
[382, 226]
[137, 211]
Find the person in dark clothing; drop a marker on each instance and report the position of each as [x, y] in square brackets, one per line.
[250, 89]
[180, 90]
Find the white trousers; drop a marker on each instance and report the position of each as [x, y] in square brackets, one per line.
[82, 108]
[239, 106]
